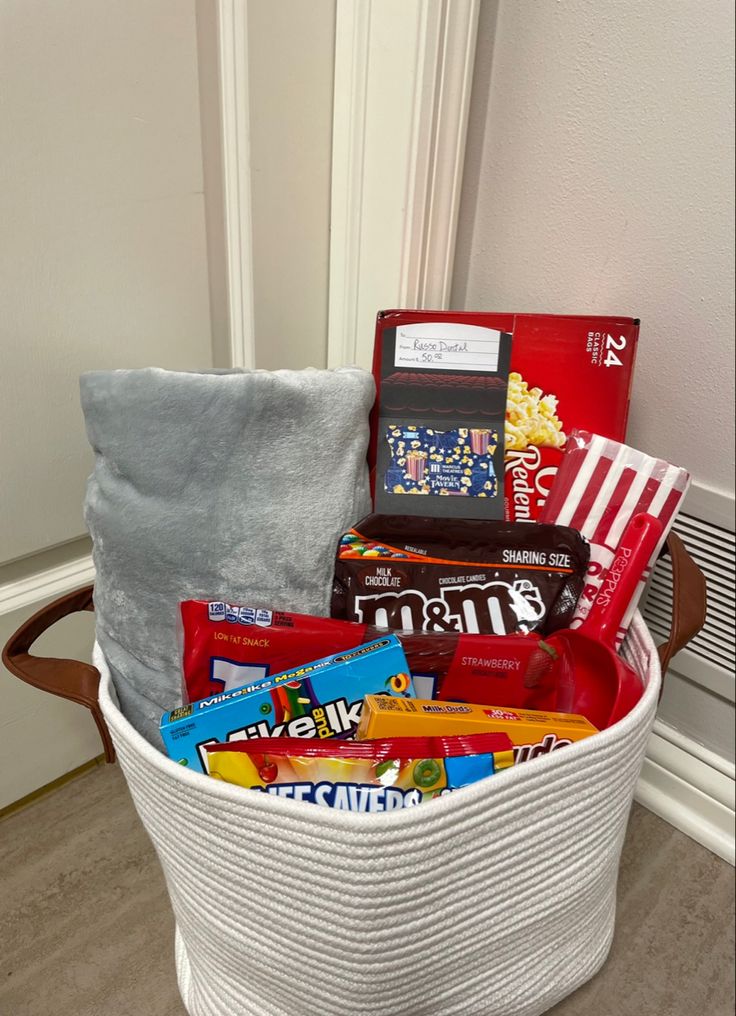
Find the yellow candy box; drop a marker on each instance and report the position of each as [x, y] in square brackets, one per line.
[532, 733]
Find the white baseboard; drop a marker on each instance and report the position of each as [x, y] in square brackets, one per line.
[42, 585]
[691, 788]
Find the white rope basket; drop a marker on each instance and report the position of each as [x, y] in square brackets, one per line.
[496, 900]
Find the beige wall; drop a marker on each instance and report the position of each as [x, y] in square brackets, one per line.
[102, 259]
[291, 65]
[102, 264]
[599, 178]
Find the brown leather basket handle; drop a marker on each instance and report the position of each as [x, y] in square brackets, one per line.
[70, 679]
[689, 601]
[79, 682]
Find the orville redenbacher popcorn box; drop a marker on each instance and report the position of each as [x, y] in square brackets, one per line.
[565, 373]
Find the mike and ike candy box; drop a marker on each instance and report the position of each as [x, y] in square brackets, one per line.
[322, 699]
[532, 733]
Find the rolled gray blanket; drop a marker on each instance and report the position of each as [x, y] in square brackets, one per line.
[220, 485]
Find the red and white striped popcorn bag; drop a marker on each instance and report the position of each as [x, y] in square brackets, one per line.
[600, 486]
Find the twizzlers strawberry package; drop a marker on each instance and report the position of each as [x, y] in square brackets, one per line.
[225, 646]
[564, 373]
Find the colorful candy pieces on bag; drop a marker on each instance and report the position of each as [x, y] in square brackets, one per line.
[226, 646]
[321, 699]
[370, 776]
[600, 487]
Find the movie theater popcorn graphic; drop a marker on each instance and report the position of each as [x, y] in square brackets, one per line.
[531, 417]
[425, 460]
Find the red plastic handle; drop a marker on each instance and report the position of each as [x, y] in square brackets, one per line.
[633, 554]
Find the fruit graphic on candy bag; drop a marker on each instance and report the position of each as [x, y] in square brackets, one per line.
[427, 773]
[398, 683]
[387, 768]
[268, 772]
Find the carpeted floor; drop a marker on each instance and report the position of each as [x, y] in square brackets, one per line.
[86, 929]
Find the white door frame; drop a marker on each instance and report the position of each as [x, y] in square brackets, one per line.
[403, 76]
[222, 45]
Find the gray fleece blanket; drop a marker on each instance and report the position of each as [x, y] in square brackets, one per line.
[220, 485]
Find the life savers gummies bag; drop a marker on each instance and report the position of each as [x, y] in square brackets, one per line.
[367, 777]
[464, 575]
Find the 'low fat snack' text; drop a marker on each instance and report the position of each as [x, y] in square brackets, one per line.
[226, 646]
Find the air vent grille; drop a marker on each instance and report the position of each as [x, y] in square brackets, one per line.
[713, 549]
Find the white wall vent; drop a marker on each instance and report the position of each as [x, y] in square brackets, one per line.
[707, 530]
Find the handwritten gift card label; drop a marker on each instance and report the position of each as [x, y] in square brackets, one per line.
[447, 346]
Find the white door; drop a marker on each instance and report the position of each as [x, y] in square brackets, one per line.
[189, 184]
[103, 264]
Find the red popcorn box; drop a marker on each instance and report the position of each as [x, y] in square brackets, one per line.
[566, 373]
